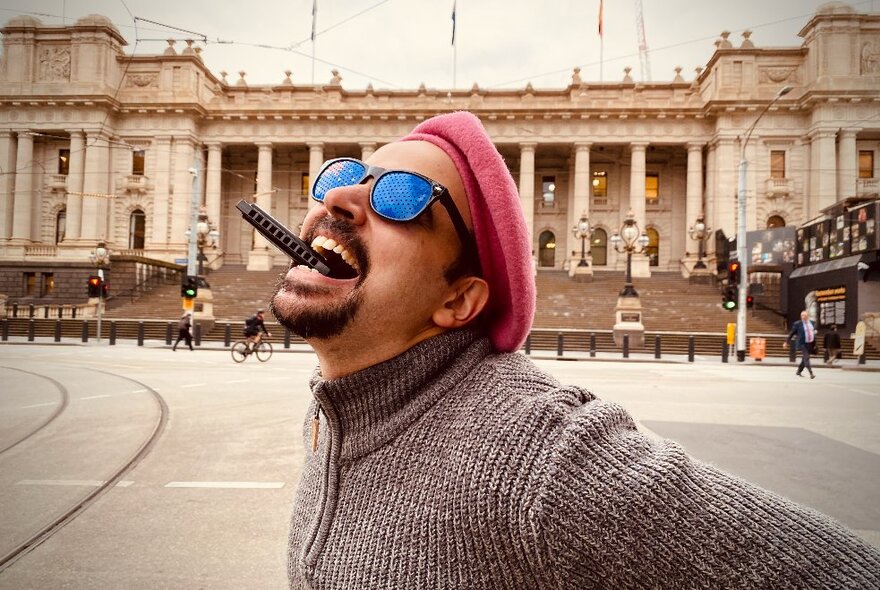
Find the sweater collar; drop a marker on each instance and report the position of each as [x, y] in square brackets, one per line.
[371, 407]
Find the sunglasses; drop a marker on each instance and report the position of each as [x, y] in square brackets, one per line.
[397, 195]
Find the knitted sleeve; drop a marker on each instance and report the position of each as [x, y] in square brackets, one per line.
[615, 509]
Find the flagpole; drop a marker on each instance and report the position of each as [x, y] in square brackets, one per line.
[314, 19]
[454, 48]
[601, 40]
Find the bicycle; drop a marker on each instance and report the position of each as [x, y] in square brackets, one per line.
[243, 349]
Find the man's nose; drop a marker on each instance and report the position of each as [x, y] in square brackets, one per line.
[349, 202]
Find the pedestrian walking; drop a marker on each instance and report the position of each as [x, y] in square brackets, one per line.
[803, 332]
[832, 345]
[437, 456]
[184, 330]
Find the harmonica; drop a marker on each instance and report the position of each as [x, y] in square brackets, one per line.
[283, 239]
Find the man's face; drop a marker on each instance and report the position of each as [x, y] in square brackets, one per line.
[804, 316]
[395, 270]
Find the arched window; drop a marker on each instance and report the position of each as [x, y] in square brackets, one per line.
[137, 229]
[599, 247]
[775, 221]
[653, 247]
[547, 243]
[60, 225]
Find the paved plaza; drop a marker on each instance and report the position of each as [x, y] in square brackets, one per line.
[207, 504]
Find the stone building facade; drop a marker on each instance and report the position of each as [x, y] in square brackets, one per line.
[97, 145]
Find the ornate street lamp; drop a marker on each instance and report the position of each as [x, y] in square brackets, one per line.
[99, 257]
[207, 236]
[629, 239]
[582, 232]
[699, 232]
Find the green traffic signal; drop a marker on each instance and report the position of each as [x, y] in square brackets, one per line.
[190, 287]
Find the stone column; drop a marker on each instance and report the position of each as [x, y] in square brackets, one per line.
[8, 151]
[641, 265]
[726, 169]
[212, 183]
[848, 162]
[709, 200]
[181, 198]
[580, 204]
[161, 189]
[75, 178]
[96, 183]
[316, 160]
[260, 257]
[823, 186]
[367, 150]
[23, 196]
[693, 197]
[527, 187]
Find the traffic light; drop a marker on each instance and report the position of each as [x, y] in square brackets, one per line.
[733, 268]
[105, 291]
[750, 301]
[95, 284]
[190, 287]
[728, 298]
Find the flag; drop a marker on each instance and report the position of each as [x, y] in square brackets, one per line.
[314, 17]
[601, 11]
[453, 22]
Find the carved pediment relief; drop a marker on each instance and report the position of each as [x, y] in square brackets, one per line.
[142, 80]
[777, 74]
[54, 64]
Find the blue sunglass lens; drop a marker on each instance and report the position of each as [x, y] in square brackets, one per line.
[341, 173]
[400, 196]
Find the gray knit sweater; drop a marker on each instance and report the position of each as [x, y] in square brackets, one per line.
[451, 466]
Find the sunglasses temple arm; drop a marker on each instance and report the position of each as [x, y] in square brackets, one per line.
[467, 240]
[283, 239]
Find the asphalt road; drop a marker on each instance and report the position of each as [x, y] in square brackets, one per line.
[208, 505]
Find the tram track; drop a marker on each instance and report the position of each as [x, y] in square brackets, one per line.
[65, 399]
[65, 518]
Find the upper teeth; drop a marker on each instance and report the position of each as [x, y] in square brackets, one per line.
[323, 243]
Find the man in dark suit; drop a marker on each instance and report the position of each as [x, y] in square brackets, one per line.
[805, 333]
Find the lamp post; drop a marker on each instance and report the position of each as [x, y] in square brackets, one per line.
[207, 236]
[741, 245]
[582, 232]
[629, 239]
[99, 257]
[699, 231]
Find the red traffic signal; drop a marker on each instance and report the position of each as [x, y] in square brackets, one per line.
[95, 286]
[733, 268]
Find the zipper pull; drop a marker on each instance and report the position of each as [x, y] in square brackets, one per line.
[316, 425]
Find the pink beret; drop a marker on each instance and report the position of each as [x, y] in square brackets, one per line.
[503, 241]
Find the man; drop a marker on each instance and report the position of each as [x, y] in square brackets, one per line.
[184, 330]
[832, 345]
[804, 331]
[253, 325]
[438, 457]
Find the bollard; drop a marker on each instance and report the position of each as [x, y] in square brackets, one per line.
[792, 352]
[690, 349]
[31, 330]
[657, 346]
[15, 310]
[529, 344]
[5, 333]
[626, 346]
[57, 330]
[286, 338]
[825, 355]
[724, 351]
[168, 330]
[141, 334]
[862, 359]
[560, 344]
[85, 331]
[112, 333]
[593, 345]
[198, 335]
[227, 335]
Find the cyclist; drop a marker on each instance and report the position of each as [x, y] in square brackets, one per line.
[253, 325]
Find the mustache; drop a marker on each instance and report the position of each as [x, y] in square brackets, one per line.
[347, 234]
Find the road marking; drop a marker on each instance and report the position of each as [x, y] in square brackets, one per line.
[97, 396]
[40, 405]
[70, 482]
[854, 389]
[236, 485]
[194, 385]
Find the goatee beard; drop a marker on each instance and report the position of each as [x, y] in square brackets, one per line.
[321, 323]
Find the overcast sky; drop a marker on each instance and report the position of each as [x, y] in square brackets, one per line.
[399, 44]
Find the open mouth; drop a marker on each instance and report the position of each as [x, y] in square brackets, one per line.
[342, 263]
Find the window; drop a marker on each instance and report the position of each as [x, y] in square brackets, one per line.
[60, 226]
[305, 186]
[775, 221]
[30, 284]
[866, 163]
[548, 191]
[777, 164]
[137, 229]
[600, 187]
[599, 247]
[64, 162]
[652, 188]
[137, 162]
[547, 244]
[48, 284]
[653, 247]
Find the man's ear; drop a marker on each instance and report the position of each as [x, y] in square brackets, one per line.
[466, 298]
